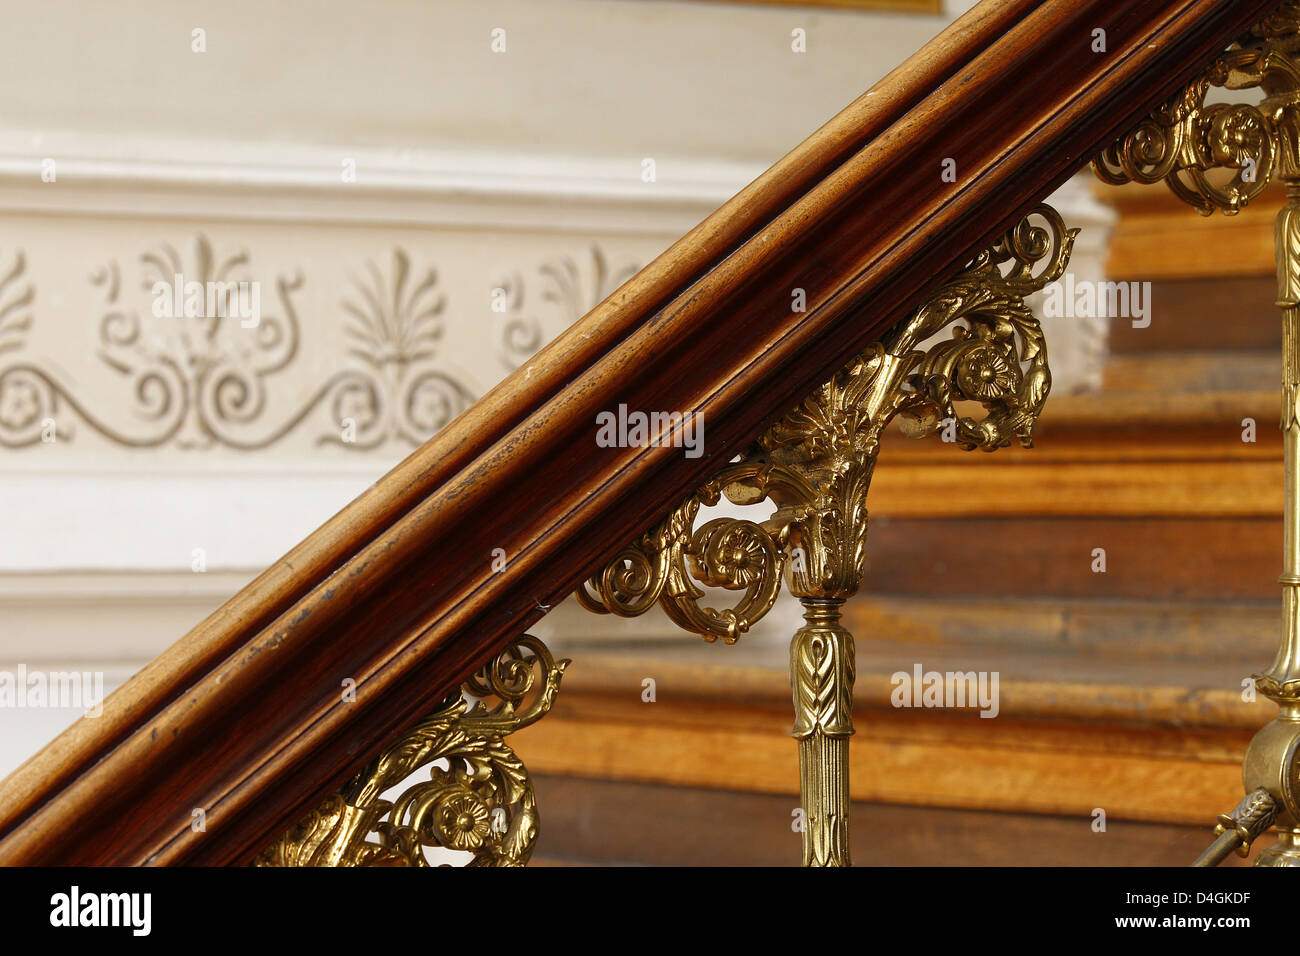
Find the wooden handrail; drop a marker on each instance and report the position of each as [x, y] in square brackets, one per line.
[243, 716]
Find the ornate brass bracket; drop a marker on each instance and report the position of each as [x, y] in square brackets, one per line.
[815, 465]
[482, 803]
[1220, 156]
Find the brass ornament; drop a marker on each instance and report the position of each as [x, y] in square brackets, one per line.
[822, 670]
[1219, 156]
[815, 465]
[483, 803]
[1252, 816]
[663, 564]
[1237, 830]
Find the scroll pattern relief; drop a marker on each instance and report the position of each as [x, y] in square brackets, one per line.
[481, 803]
[22, 386]
[209, 380]
[394, 325]
[816, 463]
[565, 285]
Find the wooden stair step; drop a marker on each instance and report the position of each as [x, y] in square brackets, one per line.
[1194, 371]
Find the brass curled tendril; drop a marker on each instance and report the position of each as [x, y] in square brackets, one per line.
[663, 565]
[1217, 156]
[999, 358]
[815, 464]
[483, 803]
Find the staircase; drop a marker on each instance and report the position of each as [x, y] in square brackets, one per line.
[917, 205]
[1130, 677]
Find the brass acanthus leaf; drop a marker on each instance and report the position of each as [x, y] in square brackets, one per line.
[816, 463]
[481, 803]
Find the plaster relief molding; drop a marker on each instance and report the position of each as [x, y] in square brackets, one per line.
[573, 287]
[200, 381]
[394, 326]
[371, 306]
[177, 436]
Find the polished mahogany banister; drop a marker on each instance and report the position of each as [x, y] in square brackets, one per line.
[243, 717]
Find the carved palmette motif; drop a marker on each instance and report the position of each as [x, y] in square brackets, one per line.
[198, 377]
[481, 803]
[207, 381]
[816, 463]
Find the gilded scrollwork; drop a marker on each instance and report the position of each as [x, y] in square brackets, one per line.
[481, 803]
[663, 565]
[816, 463]
[1218, 155]
[815, 466]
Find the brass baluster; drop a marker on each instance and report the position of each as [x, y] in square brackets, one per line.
[821, 673]
[1270, 765]
[816, 464]
[1189, 145]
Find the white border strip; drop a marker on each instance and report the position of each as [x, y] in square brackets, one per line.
[169, 178]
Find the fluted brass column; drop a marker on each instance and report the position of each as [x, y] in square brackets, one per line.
[1270, 763]
[821, 673]
[1271, 770]
[1220, 156]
